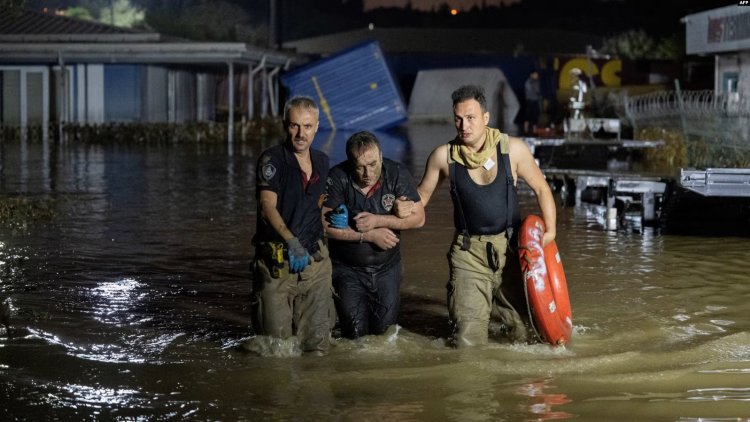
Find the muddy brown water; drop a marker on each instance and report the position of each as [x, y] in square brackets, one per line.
[132, 304]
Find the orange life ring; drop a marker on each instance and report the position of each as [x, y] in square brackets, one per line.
[544, 283]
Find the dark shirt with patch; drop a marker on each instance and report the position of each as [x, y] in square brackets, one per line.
[299, 199]
[395, 181]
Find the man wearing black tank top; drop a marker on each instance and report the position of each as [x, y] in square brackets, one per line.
[483, 166]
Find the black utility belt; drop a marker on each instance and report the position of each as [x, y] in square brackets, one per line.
[466, 237]
[276, 246]
[483, 234]
[275, 252]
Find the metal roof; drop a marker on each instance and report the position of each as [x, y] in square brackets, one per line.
[187, 52]
[29, 22]
[34, 37]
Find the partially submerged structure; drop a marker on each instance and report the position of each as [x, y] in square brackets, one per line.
[714, 124]
[707, 136]
[431, 95]
[354, 87]
[58, 69]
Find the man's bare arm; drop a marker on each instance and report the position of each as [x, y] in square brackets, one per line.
[435, 171]
[526, 168]
[367, 221]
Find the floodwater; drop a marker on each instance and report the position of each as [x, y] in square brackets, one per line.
[132, 304]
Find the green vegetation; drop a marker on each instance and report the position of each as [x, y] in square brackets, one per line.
[636, 44]
[121, 13]
[667, 159]
[204, 21]
[18, 211]
[251, 131]
[13, 7]
[694, 152]
[78, 12]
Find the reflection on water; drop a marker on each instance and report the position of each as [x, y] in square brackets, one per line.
[133, 304]
[116, 299]
[541, 401]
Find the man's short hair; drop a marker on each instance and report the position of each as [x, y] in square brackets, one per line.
[470, 92]
[300, 101]
[360, 142]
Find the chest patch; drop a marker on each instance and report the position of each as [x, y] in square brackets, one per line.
[387, 201]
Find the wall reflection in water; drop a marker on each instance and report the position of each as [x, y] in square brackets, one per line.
[542, 401]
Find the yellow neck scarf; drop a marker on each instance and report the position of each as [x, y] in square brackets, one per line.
[463, 155]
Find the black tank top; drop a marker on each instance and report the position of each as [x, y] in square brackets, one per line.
[485, 207]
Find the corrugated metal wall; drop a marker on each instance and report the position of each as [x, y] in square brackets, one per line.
[155, 104]
[354, 89]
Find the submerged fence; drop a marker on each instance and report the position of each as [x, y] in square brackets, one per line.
[714, 128]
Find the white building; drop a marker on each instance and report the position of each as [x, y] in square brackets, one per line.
[725, 33]
[58, 69]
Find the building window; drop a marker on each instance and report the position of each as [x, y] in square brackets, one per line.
[122, 93]
[729, 82]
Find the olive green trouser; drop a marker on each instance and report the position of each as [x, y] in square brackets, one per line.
[475, 293]
[300, 304]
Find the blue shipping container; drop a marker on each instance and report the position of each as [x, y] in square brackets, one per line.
[354, 89]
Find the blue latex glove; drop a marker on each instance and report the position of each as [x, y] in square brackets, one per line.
[340, 217]
[298, 256]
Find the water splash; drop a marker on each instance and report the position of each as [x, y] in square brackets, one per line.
[268, 346]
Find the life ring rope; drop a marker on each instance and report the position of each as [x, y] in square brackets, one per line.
[528, 306]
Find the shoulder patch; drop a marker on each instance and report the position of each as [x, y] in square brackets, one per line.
[387, 201]
[268, 171]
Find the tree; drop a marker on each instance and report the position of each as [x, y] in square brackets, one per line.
[78, 12]
[121, 13]
[202, 20]
[637, 44]
[13, 7]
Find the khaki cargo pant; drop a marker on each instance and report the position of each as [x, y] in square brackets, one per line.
[476, 291]
[295, 304]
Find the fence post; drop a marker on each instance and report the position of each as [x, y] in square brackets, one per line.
[681, 107]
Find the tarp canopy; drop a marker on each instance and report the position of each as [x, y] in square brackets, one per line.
[431, 96]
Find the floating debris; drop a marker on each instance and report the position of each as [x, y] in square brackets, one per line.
[18, 210]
